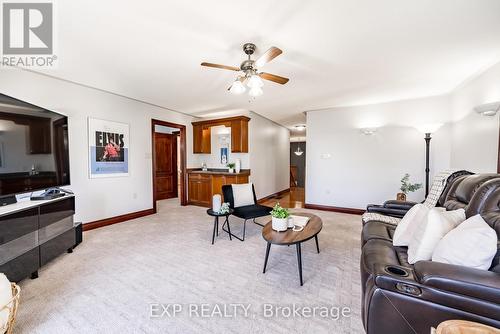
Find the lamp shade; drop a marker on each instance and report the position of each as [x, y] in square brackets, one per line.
[255, 81]
[429, 128]
[254, 92]
[237, 87]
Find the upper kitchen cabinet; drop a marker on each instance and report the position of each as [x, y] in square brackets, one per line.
[201, 139]
[239, 134]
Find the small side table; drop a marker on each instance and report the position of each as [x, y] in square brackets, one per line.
[216, 216]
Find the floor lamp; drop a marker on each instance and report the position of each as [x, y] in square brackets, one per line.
[428, 129]
[427, 169]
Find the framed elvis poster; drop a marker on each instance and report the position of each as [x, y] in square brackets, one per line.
[108, 148]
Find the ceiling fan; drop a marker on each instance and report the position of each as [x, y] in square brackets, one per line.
[251, 76]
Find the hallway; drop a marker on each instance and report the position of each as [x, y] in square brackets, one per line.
[295, 198]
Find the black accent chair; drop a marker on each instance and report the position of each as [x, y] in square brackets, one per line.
[245, 212]
[398, 209]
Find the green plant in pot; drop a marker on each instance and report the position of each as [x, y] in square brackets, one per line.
[231, 166]
[407, 187]
[279, 218]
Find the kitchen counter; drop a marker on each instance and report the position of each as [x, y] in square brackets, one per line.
[202, 185]
[217, 171]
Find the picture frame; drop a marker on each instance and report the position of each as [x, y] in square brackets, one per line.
[108, 148]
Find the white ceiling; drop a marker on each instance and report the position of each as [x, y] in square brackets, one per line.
[334, 52]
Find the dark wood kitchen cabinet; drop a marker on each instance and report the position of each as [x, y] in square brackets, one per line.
[202, 139]
[199, 189]
[202, 185]
[239, 134]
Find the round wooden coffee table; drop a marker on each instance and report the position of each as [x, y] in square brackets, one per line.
[289, 237]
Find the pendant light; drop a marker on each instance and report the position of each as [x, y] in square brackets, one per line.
[299, 152]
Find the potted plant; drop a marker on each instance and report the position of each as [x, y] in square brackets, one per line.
[231, 167]
[279, 218]
[407, 187]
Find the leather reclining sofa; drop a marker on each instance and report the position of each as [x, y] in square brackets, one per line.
[402, 298]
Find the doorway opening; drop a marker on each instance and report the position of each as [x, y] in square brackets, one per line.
[297, 172]
[169, 161]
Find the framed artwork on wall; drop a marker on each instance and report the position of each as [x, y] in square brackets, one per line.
[108, 148]
[223, 156]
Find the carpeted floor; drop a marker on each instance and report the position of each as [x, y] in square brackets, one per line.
[130, 277]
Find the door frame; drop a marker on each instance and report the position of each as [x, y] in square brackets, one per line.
[182, 149]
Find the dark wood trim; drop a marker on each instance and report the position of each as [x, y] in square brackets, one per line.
[334, 209]
[221, 121]
[276, 194]
[182, 148]
[117, 219]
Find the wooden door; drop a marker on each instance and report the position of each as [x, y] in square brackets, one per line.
[165, 168]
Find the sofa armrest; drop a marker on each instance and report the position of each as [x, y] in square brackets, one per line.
[398, 213]
[404, 205]
[476, 283]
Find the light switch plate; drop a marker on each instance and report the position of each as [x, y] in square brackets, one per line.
[326, 156]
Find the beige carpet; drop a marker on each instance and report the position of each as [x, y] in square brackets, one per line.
[113, 279]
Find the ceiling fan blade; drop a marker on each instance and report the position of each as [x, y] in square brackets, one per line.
[274, 78]
[269, 55]
[224, 67]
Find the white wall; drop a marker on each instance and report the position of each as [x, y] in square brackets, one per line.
[367, 169]
[475, 137]
[108, 197]
[269, 148]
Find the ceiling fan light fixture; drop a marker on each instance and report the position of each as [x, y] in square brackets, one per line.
[237, 87]
[256, 91]
[255, 81]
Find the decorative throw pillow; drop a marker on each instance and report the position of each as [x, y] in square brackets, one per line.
[243, 194]
[427, 235]
[5, 297]
[404, 230]
[472, 244]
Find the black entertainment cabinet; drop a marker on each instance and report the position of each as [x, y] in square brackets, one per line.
[34, 232]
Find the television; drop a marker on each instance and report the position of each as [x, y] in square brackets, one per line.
[34, 152]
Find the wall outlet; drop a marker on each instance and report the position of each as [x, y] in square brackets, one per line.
[134, 195]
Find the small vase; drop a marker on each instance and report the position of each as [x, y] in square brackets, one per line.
[279, 224]
[238, 165]
[401, 197]
[231, 170]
